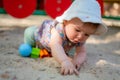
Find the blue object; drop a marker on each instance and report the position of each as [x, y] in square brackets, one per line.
[25, 50]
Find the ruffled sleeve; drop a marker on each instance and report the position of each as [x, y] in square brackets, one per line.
[59, 28]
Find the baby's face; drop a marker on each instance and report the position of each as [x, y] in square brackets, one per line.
[76, 31]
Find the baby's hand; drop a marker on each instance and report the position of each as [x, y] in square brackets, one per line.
[67, 67]
[77, 63]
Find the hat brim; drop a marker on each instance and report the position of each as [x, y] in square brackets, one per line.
[102, 28]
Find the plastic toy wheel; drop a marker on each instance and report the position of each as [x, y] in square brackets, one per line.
[19, 8]
[55, 8]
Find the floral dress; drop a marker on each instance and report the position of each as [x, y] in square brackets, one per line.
[43, 35]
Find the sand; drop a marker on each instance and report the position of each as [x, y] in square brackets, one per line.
[103, 55]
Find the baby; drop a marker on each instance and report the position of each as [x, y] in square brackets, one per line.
[81, 20]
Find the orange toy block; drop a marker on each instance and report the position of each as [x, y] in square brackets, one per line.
[44, 53]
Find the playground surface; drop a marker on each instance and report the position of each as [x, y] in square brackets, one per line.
[103, 54]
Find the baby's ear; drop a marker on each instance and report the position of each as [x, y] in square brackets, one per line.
[65, 22]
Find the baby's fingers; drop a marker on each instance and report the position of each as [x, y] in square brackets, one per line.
[78, 67]
[64, 71]
[71, 71]
[76, 72]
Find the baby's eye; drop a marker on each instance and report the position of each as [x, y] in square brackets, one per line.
[77, 30]
[87, 35]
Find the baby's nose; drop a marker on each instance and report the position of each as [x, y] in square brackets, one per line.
[80, 36]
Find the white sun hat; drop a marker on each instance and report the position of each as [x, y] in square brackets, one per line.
[87, 11]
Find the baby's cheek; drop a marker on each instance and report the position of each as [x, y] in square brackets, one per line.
[83, 39]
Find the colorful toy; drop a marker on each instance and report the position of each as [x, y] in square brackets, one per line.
[56, 7]
[44, 53]
[20, 8]
[25, 50]
[35, 53]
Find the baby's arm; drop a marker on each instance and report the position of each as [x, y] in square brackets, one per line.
[58, 53]
[79, 56]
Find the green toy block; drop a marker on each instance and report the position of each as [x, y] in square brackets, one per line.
[34, 56]
[35, 53]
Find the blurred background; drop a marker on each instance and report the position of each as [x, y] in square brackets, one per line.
[110, 9]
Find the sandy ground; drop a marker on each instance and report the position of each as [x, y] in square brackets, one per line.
[103, 55]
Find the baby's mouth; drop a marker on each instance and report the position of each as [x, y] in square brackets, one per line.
[74, 41]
